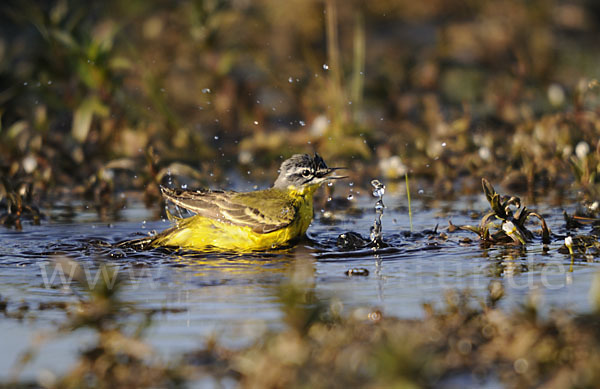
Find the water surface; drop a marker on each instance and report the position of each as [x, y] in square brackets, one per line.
[234, 296]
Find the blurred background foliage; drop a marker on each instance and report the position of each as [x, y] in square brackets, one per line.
[443, 89]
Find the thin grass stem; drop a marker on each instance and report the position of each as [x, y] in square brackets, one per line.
[408, 197]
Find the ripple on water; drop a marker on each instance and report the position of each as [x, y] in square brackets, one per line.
[223, 291]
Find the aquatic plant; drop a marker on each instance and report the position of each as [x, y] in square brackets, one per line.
[586, 246]
[16, 204]
[585, 164]
[512, 214]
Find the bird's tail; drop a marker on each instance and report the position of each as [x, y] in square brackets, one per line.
[149, 242]
[139, 244]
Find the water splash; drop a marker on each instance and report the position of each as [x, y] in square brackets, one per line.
[354, 241]
[377, 230]
[378, 188]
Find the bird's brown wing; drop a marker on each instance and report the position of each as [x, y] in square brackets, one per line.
[263, 211]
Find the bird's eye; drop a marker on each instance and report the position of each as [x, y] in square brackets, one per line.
[305, 173]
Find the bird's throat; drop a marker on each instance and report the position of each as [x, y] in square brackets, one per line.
[305, 191]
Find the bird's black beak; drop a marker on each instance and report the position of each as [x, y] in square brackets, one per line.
[324, 173]
[329, 174]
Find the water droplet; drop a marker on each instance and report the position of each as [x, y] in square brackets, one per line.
[325, 66]
[184, 186]
[330, 183]
[206, 90]
[351, 184]
[290, 80]
[302, 123]
[248, 172]
[25, 83]
[216, 137]
[421, 191]
[443, 144]
[49, 82]
[350, 197]
[379, 188]
[256, 122]
[329, 199]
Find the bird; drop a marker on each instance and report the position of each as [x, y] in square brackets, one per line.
[248, 221]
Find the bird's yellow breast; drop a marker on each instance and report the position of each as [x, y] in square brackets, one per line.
[200, 232]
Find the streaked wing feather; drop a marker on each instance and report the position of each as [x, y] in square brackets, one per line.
[199, 202]
[241, 209]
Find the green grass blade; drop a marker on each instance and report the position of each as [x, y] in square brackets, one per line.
[408, 196]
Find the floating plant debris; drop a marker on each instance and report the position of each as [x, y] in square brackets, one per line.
[357, 271]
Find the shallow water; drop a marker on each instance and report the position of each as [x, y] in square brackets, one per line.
[235, 296]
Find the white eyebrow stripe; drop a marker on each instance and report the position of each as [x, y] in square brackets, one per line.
[300, 169]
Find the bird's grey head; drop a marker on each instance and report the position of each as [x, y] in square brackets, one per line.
[302, 169]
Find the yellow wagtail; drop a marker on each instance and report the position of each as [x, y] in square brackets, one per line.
[249, 221]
